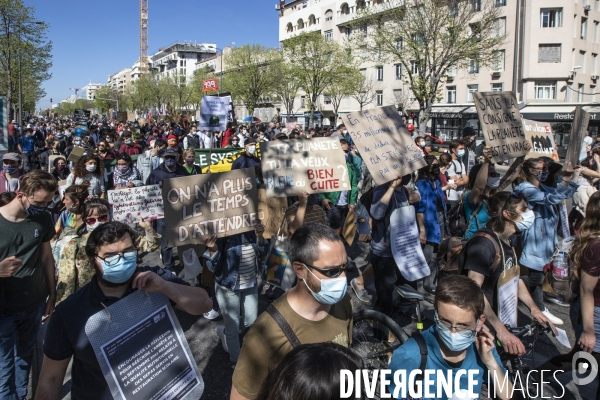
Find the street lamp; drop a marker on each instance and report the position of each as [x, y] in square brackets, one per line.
[20, 92]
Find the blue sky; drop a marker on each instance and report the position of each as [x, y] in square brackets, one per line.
[93, 39]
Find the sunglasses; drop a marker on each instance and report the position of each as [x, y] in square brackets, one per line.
[331, 272]
[92, 221]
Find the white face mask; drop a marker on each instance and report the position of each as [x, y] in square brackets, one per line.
[90, 228]
[251, 150]
[91, 167]
[493, 182]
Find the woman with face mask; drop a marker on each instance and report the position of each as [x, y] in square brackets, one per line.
[70, 219]
[189, 158]
[508, 215]
[61, 169]
[89, 168]
[540, 241]
[125, 174]
[74, 267]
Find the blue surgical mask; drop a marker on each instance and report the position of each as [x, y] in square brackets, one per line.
[332, 290]
[460, 153]
[170, 162]
[528, 218]
[493, 182]
[10, 169]
[422, 143]
[454, 341]
[122, 270]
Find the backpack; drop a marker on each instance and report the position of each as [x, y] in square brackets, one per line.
[452, 254]
[456, 217]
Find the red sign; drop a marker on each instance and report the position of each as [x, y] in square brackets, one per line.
[210, 85]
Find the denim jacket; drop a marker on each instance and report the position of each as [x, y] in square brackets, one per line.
[224, 264]
[539, 241]
[428, 207]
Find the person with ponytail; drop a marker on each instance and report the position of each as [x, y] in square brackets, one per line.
[73, 201]
[74, 268]
[540, 241]
[508, 215]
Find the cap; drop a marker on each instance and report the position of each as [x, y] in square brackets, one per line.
[171, 152]
[468, 131]
[249, 140]
[12, 157]
[171, 137]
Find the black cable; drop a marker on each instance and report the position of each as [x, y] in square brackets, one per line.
[577, 91]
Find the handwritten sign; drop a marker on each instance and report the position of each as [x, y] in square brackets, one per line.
[501, 124]
[578, 132]
[142, 350]
[210, 85]
[219, 203]
[317, 166]
[384, 143]
[539, 135]
[131, 204]
[270, 211]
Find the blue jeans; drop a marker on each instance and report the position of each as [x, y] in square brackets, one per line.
[231, 303]
[166, 252]
[18, 334]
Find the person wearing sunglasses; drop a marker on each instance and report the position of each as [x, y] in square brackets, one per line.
[317, 309]
[458, 342]
[113, 255]
[74, 268]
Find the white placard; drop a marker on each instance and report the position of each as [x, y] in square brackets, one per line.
[507, 302]
[132, 204]
[406, 246]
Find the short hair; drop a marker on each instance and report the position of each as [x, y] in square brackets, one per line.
[160, 142]
[36, 180]
[460, 291]
[454, 144]
[189, 151]
[304, 243]
[108, 233]
[296, 373]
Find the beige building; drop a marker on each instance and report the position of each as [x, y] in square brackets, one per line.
[556, 43]
[120, 80]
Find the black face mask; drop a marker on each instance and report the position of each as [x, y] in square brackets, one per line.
[161, 152]
[435, 170]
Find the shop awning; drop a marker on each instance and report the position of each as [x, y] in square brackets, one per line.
[470, 113]
[549, 113]
[448, 112]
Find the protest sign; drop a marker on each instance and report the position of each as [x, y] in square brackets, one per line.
[51, 161]
[198, 206]
[210, 85]
[132, 204]
[384, 143]
[539, 135]
[76, 154]
[317, 166]
[62, 186]
[213, 113]
[270, 211]
[578, 132]
[122, 116]
[142, 350]
[501, 123]
[81, 117]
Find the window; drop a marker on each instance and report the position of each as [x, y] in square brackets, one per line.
[290, 28]
[550, 17]
[499, 57]
[379, 70]
[582, 61]
[300, 24]
[470, 90]
[328, 15]
[399, 43]
[379, 97]
[497, 87]
[500, 3]
[326, 99]
[583, 28]
[451, 71]
[345, 10]
[398, 69]
[593, 70]
[360, 4]
[476, 4]
[500, 26]
[302, 101]
[398, 98]
[473, 66]
[414, 67]
[329, 35]
[305, 4]
[348, 32]
[363, 71]
[580, 92]
[596, 31]
[549, 53]
[451, 94]
[545, 90]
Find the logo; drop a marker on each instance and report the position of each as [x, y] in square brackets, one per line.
[584, 363]
[159, 316]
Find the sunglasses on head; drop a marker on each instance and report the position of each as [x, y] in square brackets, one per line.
[331, 272]
[92, 221]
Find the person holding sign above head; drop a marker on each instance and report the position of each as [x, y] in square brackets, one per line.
[457, 173]
[491, 261]
[112, 252]
[167, 170]
[539, 241]
[247, 159]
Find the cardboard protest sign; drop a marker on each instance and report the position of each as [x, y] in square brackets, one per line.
[201, 205]
[213, 113]
[384, 143]
[81, 117]
[539, 135]
[317, 166]
[132, 204]
[51, 161]
[122, 116]
[501, 124]
[142, 350]
[76, 154]
[62, 186]
[578, 132]
[270, 211]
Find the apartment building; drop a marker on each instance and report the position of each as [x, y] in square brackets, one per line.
[120, 80]
[87, 92]
[549, 58]
[181, 58]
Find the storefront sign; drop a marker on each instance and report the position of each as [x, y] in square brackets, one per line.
[501, 124]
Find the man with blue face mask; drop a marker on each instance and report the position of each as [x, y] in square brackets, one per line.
[11, 174]
[112, 253]
[457, 342]
[316, 310]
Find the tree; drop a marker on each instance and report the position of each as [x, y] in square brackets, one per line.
[314, 62]
[180, 89]
[251, 73]
[364, 90]
[23, 39]
[197, 87]
[286, 87]
[429, 38]
[341, 87]
[106, 98]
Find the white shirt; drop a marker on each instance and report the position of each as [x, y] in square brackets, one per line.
[456, 168]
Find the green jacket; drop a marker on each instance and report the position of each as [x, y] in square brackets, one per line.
[353, 192]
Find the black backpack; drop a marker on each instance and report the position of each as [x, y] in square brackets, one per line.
[457, 222]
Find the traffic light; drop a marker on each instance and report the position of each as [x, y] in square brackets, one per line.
[50, 100]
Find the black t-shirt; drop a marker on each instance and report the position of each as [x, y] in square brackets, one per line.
[66, 336]
[480, 258]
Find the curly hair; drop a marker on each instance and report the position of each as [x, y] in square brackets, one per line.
[588, 233]
[80, 171]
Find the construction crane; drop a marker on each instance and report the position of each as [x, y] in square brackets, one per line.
[143, 36]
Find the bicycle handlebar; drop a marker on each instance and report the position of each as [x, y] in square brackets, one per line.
[529, 330]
